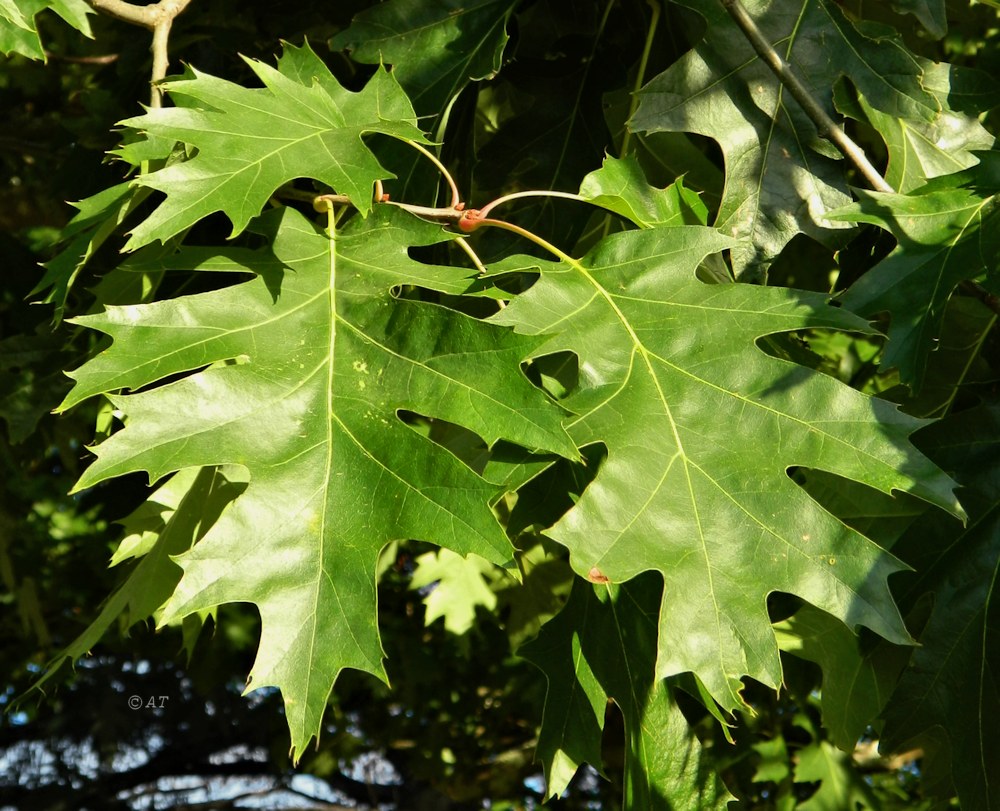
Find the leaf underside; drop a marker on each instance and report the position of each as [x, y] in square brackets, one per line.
[947, 233]
[601, 647]
[781, 178]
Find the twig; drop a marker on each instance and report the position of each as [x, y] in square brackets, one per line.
[147, 16]
[455, 196]
[825, 125]
[518, 195]
[640, 77]
[977, 291]
[158, 18]
[463, 243]
[447, 214]
[868, 758]
[444, 214]
[102, 59]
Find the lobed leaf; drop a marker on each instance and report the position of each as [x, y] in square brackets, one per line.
[435, 48]
[856, 683]
[19, 31]
[177, 515]
[457, 586]
[602, 647]
[250, 142]
[950, 692]
[781, 178]
[701, 428]
[302, 372]
[97, 219]
[620, 186]
[921, 150]
[946, 233]
[840, 786]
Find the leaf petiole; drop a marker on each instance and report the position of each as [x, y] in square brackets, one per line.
[529, 235]
[521, 194]
[456, 198]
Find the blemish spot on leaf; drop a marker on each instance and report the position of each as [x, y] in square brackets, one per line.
[595, 575]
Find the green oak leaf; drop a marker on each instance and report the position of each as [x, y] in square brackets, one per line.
[526, 606]
[302, 372]
[434, 48]
[946, 232]
[459, 587]
[31, 380]
[250, 142]
[958, 362]
[177, 515]
[921, 150]
[19, 32]
[701, 427]
[878, 516]
[620, 186]
[601, 647]
[950, 692]
[773, 765]
[781, 178]
[856, 683]
[840, 785]
[931, 13]
[97, 219]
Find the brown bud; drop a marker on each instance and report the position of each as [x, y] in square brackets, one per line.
[595, 575]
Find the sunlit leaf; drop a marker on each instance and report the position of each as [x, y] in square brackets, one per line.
[249, 142]
[701, 427]
[781, 178]
[302, 372]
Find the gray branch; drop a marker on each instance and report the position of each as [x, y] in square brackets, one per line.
[825, 125]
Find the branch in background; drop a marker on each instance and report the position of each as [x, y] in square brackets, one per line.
[825, 125]
[868, 758]
[640, 76]
[158, 18]
[103, 59]
[976, 290]
[146, 16]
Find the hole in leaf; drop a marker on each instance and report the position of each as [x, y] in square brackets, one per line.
[557, 374]
[436, 254]
[475, 306]
[879, 516]
[804, 264]
[543, 500]
[515, 282]
[172, 378]
[465, 445]
[849, 357]
[780, 606]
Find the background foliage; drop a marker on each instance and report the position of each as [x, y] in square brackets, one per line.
[641, 497]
